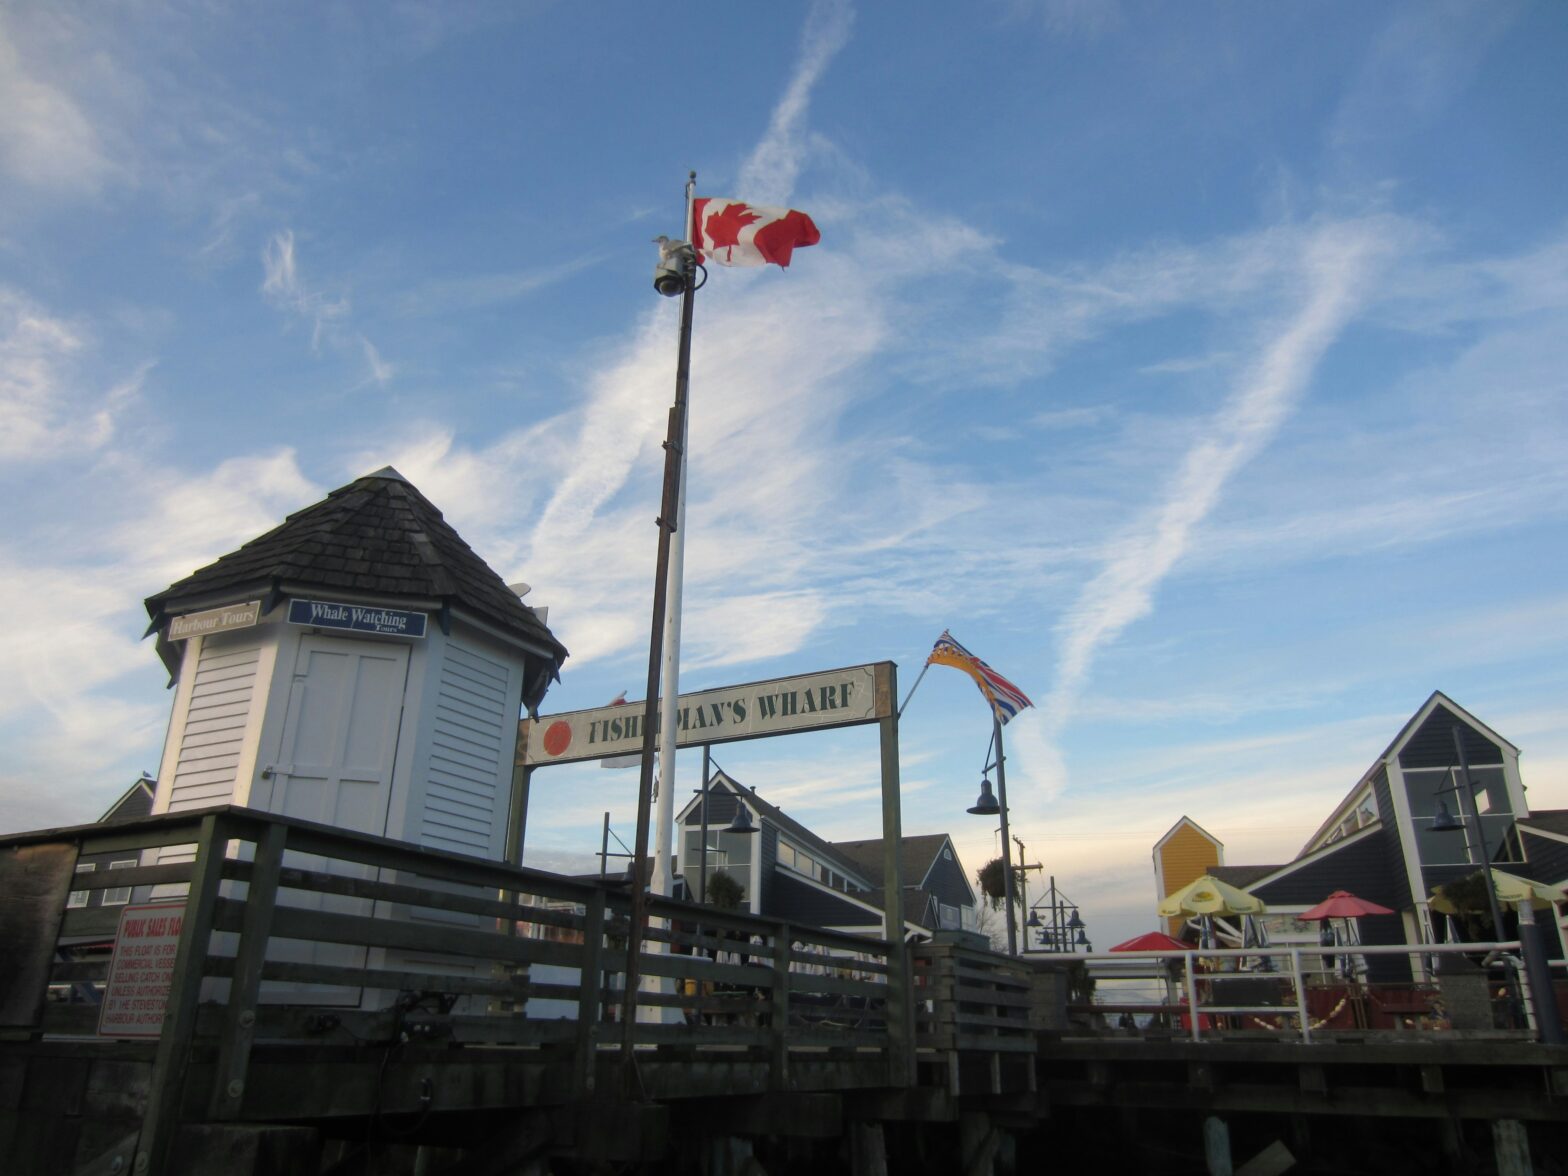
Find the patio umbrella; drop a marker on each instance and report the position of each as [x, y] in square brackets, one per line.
[1153, 941]
[1209, 896]
[1510, 889]
[1343, 905]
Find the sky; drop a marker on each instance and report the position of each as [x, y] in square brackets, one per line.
[1201, 367]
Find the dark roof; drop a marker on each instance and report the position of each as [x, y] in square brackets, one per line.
[378, 536]
[916, 855]
[1242, 876]
[1548, 821]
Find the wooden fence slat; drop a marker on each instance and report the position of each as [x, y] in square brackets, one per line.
[239, 1021]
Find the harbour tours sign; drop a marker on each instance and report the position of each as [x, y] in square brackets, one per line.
[357, 618]
[833, 698]
[215, 620]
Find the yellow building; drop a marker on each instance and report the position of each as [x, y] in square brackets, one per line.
[1183, 855]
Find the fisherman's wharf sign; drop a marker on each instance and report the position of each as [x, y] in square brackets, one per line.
[833, 698]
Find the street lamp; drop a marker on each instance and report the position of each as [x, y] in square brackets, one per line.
[1063, 929]
[990, 806]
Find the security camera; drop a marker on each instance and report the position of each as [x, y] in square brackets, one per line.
[673, 270]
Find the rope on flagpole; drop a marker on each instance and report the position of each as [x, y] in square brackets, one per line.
[913, 688]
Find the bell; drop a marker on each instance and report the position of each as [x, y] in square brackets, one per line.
[1445, 821]
[741, 822]
[986, 805]
[1076, 924]
[1034, 919]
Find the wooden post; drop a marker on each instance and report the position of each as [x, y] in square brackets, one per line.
[239, 1019]
[517, 823]
[778, 1070]
[161, 1122]
[585, 1061]
[867, 1149]
[1511, 1147]
[1216, 1146]
[900, 1003]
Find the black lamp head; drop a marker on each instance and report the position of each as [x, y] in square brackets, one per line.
[986, 805]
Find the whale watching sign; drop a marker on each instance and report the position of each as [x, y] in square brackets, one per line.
[357, 618]
[833, 698]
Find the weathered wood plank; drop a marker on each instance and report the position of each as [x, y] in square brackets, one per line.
[34, 882]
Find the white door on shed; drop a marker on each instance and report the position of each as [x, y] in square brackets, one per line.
[334, 766]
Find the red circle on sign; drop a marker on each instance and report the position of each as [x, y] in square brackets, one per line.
[557, 737]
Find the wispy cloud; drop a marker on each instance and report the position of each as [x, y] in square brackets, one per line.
[46, 412]
[47, 140]
[327, 314]
[1335, 263]
[769, 174]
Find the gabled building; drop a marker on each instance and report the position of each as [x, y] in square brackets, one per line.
[786, 871]
[1380, 844]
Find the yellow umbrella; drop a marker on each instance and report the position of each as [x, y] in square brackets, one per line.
[1209, 896]
[1511, 889]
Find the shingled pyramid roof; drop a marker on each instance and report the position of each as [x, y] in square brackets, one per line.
[377, 536]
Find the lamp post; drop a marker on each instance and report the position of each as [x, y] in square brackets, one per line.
[989, 806]
[1066, 930]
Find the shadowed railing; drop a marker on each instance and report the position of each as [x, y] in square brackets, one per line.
[297, 932]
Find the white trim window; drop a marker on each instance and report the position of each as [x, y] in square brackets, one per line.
[78, 898]
[119, 895]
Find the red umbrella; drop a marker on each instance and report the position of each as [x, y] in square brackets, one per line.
[1342, 905]
[1153, 941]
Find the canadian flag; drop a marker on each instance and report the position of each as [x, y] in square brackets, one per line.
[732, 232]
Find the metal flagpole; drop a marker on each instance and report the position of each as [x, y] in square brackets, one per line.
[668, 512]
[663, 867]
[1007, 852]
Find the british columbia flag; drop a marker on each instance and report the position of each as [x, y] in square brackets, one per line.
[1006, 699]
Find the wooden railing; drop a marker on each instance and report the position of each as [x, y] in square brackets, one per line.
[294, 931]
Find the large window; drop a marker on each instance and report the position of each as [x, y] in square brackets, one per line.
[1428, 788]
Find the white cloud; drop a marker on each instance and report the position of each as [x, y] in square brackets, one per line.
[286, 289]
[45, 411]
[1334, 263]
[47, 141]
[769, 175]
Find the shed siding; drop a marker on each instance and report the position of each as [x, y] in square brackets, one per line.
[222, 695]
[469, 742]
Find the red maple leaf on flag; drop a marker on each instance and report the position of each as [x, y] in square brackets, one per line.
[723, 227]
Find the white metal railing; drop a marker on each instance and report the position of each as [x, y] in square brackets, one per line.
[1289, 969]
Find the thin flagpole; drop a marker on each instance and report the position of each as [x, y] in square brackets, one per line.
[668, 512]
[663, 865]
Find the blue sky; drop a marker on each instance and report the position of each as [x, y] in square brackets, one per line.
[1199, 366]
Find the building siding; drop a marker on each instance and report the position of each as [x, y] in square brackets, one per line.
[207, 768]
[1399, 880]
[1548, 857]
[946, 880]
[1431, 745]
[795, 901]
[1186, 857]
[468, 742]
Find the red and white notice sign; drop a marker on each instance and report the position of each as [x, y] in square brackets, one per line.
[141, 971]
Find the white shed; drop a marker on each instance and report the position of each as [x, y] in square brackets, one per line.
[359, 666]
